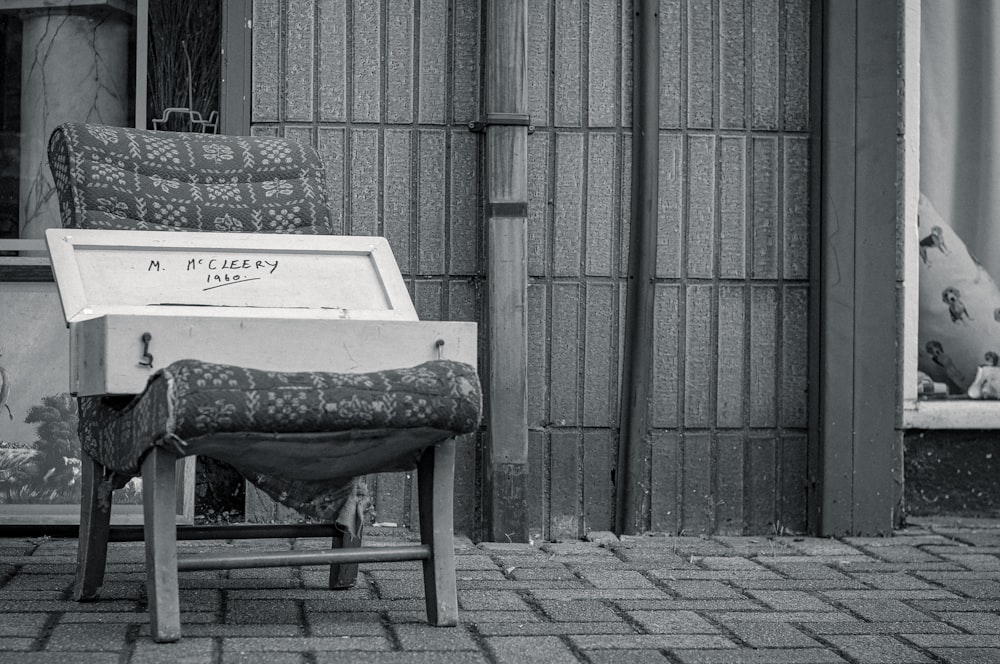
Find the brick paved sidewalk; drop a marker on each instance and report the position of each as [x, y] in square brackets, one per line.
[930, 594]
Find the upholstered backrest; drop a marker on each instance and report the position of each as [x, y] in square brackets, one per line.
[116, 177]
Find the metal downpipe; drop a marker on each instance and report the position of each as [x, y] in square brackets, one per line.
[632, 476]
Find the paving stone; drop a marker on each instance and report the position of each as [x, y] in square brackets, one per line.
[426, 637]
[968, 655]
[270, 658]
[399, 588]
[262, 573]
[400, 658]
[551, 628]
[877, 649]
[319, 578]
[700, 605]
[702, 590]
[872, 565]
[68, 657]
[31, 595]
[954, 640]
[616, 579]
[578, 611]
[938, 605]
[654, 558]
[474, 559]
[87, 637]
[938, 576]
[643, 641]
[698, 547]
[772, 635]
[539, 584]
[537, 561]
[888, 627]
[901, 554]
[889, 594]
[603, 538]
[753, 546]
[552, 584]
[647, 656]
[978, 589]
[759, 656]
[790, 600]
[672, 622]
[479, 575]
[333, 603]
[189, 650]
[506, 547]
[128, 590]
[818, 546]
[240, 630]
[586, 549]
[951, 547]
[28, 625]
[57, 582]
[778, 616]
[486, 617]
[262, 612]
[975, 622]
[243, 645]
[903, 537]
[479, 600]
[898, 581]
[884, 610]
[530, 650]
[17, 643]
[541, 573]
[597, 593]
[610, 563]
[809, 585]
[804, 569]
[732, 563]
[140, 618]
[734, 576]
[46, 606]
[405, 617]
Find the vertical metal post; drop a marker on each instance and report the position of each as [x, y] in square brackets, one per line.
[236, 33]
[506, 189]
[141, 61]
[632, 480]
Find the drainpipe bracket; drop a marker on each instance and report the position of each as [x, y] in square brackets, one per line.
[503, 119]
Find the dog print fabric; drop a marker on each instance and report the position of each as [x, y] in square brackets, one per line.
[959, 330]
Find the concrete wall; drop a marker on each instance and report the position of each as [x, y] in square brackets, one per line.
[385, 90]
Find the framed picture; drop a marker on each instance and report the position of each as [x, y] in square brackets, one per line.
[39, 446]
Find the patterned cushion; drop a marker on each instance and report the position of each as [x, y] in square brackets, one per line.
[189, 400]
[114, 177]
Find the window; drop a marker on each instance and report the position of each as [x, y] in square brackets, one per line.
[951, 214]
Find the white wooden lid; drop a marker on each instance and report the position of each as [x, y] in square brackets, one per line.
[226, 274]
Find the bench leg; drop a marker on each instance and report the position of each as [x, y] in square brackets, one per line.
[160, 527]
[95, 522]
[435, 486]
[344, 576]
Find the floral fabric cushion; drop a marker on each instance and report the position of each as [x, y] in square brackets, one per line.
[115, 177]
[280, 429]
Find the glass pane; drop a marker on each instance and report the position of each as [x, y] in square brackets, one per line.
[58, 63]
[959, 210]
